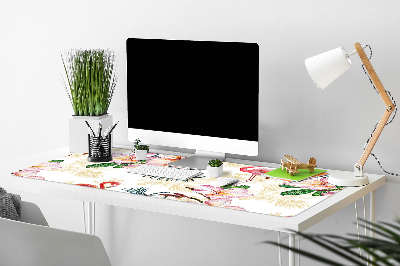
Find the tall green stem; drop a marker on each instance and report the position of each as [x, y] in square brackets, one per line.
[91, 80]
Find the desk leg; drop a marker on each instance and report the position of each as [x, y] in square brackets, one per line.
[298, 247]
[372, 210]
[88, 212]
[292, 244]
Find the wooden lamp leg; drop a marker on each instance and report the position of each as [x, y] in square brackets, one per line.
[386, 99]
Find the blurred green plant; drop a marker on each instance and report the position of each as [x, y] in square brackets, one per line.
[215, 163]
[140, 147]
[381, 251]
[91, 77]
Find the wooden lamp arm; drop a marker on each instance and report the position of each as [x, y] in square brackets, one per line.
[371, 71]
[389, 109]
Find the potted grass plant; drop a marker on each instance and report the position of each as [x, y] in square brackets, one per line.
[215, 168]
[140, 150]
[90, 83]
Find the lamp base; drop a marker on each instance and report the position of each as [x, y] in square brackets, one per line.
[347, 179]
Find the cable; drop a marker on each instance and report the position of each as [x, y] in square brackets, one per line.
[387, 123]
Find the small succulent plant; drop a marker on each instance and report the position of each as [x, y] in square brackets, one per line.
[140, 147]
[215, 163]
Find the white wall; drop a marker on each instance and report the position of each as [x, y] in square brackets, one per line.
[295, 117]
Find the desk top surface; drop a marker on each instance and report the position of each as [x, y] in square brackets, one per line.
[256, 201]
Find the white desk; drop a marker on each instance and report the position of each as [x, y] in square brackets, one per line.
[298, 223]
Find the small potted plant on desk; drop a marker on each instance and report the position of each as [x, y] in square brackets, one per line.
[140, 150]
[214, 168]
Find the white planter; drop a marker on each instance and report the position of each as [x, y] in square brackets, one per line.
[78, 131]
[214, 171]
[141, 154]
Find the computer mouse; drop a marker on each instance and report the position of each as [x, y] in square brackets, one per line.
[224, 181]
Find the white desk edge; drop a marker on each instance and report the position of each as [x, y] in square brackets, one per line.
[300, 222]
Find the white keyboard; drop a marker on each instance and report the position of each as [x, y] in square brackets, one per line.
[165, 172]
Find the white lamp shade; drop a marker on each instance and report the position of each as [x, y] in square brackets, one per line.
[326, 67]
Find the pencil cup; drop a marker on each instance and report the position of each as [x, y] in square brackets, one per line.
[99, 149]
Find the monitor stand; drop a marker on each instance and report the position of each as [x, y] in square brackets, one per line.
[199, 160]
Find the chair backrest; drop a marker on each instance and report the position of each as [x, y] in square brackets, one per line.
[36, 245]
[32, 214]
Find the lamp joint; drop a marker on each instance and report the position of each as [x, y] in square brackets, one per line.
[358, 170]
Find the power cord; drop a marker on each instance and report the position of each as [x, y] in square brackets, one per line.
[387, 123]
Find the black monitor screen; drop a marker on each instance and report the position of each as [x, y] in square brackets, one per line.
[193, 87]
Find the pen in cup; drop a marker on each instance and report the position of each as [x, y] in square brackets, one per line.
[90, 132]
[106, 132]
[109, 132]
[90, 128]
[99, 130]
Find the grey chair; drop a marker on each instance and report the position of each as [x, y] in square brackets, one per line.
[32, 243]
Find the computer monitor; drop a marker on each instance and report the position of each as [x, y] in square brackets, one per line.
[199, 95]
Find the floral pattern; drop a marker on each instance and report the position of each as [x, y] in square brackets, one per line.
[254, 192]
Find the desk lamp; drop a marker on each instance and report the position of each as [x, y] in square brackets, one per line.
[323, 70]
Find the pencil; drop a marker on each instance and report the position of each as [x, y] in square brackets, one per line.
[112, 128]
[89, 127]
[100, 128]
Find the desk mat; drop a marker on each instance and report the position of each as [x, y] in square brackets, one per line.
[256, 191]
